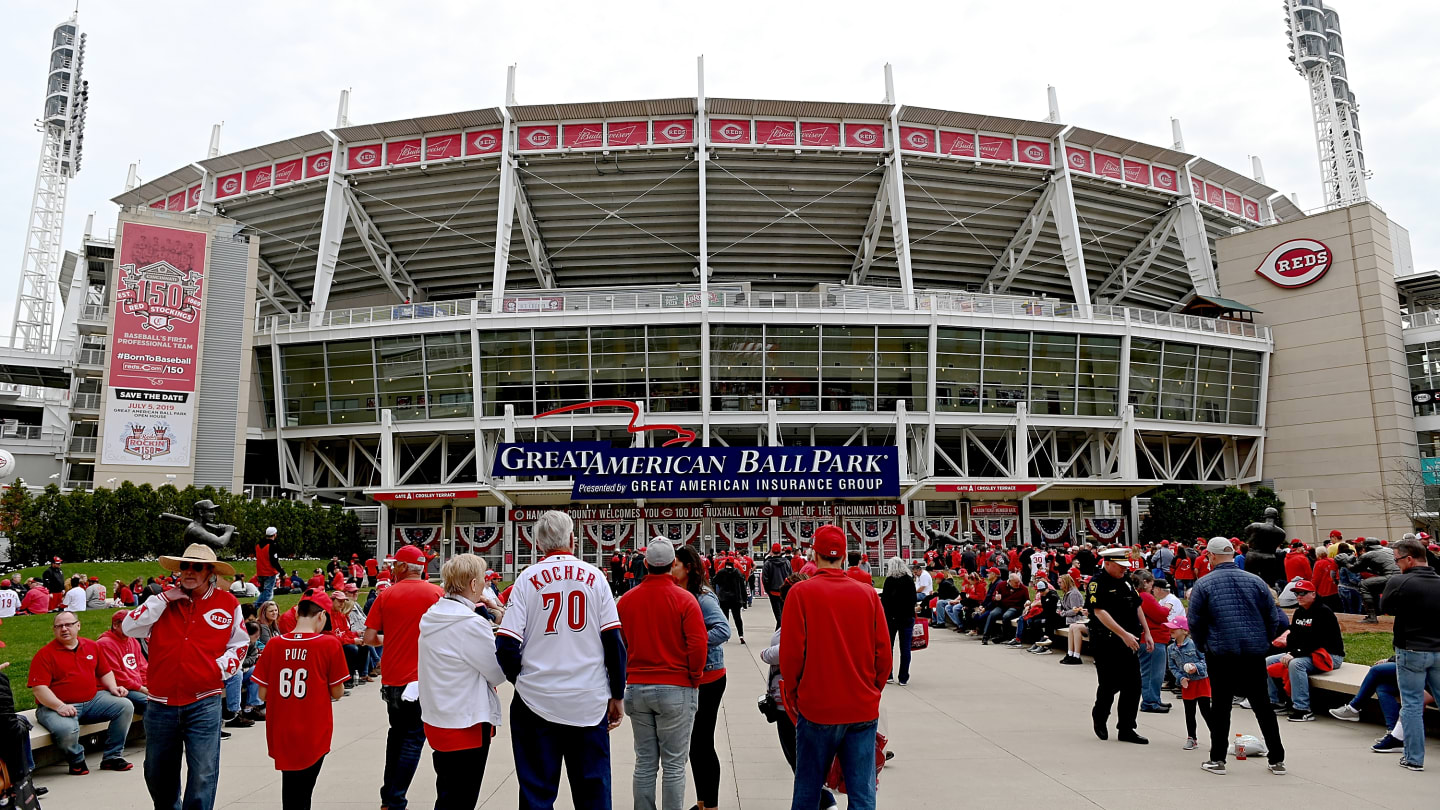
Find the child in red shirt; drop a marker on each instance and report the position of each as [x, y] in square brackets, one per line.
[298, 675]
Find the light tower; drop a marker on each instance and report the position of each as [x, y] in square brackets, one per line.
[1318, 55]
[62, 132]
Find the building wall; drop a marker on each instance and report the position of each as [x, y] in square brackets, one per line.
[1338, 417]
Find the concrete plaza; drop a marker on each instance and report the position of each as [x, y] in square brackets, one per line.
[975, 726]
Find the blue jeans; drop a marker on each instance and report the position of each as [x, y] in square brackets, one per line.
[193, 730]
[402, 747]
[906, 635]
[240, 684]
[1381, 682]
[942, 606]
[1416, 671]
[1003, 614]
[540, 746]
[817, 745]
[138, 701]
[1300, 669]
[661, 717]
[104, 706]
[267, 590]
[1152, 675]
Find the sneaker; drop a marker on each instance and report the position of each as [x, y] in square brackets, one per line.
[1044, 651]
[224, 735]
[1346, 712]
[256, 713]
[116, 764]
[890, 679]
[1214, 766]
[1244, 703]
[742, 640]
[79, 769]
[1281, 709]
[1014, 642]
[1071, 660]
[1046, 641]
[1278, 768]
[1301, 717]
[1191, 744]
[1032, 648]
[239, 721]
[1388, 745]
[889, 755]
[1237, 701]
[1410, 766]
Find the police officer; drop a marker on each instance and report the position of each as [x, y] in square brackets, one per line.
[1117, 629]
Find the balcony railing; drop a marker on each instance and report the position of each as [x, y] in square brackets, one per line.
[561, 302]
[84, 445]
[79, 483]
[1429, 317]
[15, 431]
[95, 312]
[86, 402]
[90, 356]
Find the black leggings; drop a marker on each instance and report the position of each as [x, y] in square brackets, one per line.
[297, 787]
[704, 762]
[732, 612]
[458, 775]
[1204, 704]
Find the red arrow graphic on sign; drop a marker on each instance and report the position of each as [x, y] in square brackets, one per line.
[682, 435]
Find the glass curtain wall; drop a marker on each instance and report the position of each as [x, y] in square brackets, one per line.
[809, 368]
[1188, 383]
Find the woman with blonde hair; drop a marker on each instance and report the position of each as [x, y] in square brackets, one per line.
[457, 665]
[1072, 610]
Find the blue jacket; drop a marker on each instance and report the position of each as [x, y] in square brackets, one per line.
[1179, 655]
[1232, 612]
[717, 630]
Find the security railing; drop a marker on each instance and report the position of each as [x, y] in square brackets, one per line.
[11, 430]
[83, 445]
[1428, 317]
[86, 402]
[95, 312]
[90, 356]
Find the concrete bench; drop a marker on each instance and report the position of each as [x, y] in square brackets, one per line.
[40, 737]
[1345, 679]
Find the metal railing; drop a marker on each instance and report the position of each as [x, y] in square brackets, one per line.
[86, 402]
[95, 312]
[15, 431]
[34, 393]
[560, 302]
[79, 483]
[1429, 317]
[91, 356]
[83, 445]
[266, 491]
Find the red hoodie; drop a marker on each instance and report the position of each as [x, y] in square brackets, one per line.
[834, 650]
[1326, 576]
[1297, 565]
[664, 631]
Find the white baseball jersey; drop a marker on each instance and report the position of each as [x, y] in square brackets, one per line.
[1037, 563]
[557, 610]
[8, 603]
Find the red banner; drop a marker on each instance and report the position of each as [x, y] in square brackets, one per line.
[1107, 166]
[317, 165]
[227, 186]
[175, 202]
[819, 133]
[1080, 160]
[192, 197]
[992, 148]
[156, 337]
[957, 143]
[160, 204]
[406, 151]
[1232, 203]
[583, 136]
[1252, 210]
[1166, 179]
[442, 147]
[917, 140]
[1197, 188]
[537, 138]
[364, 157]
[256, 179]
[729, 130]
[1215, 195]
[865, 136]
[627, 133]
[1136, 172]
[482, 141]
[288, 172]
[1037, 152]
[681, 130]
[775, 133]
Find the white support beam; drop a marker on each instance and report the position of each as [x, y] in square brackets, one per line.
[1067, 225]
[899, 222]
[1013, 258]
[505, 209]
[273, 287]
[1137, 263]
[387, 264]
[866, 255]
[332, 232]
[1194, 242]
[534, 244]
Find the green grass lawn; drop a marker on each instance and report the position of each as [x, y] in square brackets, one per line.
[1368, 648]
[108, 572]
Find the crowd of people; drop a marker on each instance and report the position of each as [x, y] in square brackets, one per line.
[584, 649]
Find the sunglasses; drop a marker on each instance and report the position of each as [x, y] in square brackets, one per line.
[194, 566]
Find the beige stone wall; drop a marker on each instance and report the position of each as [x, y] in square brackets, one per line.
[1338, 415]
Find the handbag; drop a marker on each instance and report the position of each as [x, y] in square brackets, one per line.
[920, 636]
[769, 708]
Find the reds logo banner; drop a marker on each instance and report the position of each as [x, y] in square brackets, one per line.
[317, 165]
[627, 133]
[403, 151]
[1079, 160]
[819, 133]
[678, 131]
[1252, 210]
[482, 142]
[1197, 187]
[1037, 152]
[865, 136]
[1165, 179]
[364, 157]
[192, 197]
[727, 130]
[957, 143]
[533, 139]
[1297, 263]
[917, 140]
[776, 133]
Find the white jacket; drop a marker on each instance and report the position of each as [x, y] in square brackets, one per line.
[458, 667]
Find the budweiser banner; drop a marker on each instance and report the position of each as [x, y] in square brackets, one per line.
[775, 133]
[819, 133]
[155, 346]
[957, 143]
[1107, 166]
[627, 133]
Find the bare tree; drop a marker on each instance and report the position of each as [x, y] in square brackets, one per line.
[1404, 496]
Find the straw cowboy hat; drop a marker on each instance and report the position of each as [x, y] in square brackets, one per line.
[198, 553]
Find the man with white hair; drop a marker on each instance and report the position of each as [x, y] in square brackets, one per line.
[560, 644]
[394, 621]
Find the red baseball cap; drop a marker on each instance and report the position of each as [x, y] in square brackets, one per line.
[118, 617]
[995, 571]
[318, 596]
[407, 554]
[774, 548]
[55, 560]
[829, 542]
[1303, 586]
[1336, 533]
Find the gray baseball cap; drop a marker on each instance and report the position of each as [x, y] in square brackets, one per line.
[1220, 545]
[660, 552]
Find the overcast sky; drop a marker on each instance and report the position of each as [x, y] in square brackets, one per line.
[161, 73]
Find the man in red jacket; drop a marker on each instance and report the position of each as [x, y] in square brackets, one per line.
[197, 633]
[665, 647]
[834, 659]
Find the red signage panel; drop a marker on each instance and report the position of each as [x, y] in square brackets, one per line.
[288, 172]
[1036, 152]
[482, 141]
[537, 138]
[917, 139]
[227, 186]
[156, 337]
[1232, 203]
[679, 130]
[1165, 179]
[819, 133]
[583, 135]
[775, 133]
[192, 197]
[729, 130]
[1107, 166]
[1197, 187]
[993, 148]
[1215, 195]
[364, 157]
[957, 143]
[1136, 172]
[1251, 209]
[442, 147]
[406, 151]
[426, 495]
[986, 487]
[627, 133]
[865, 136]
[1080, 160]
[175, 202]
[256, 179]
[317, 165]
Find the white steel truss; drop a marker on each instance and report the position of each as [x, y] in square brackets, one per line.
[534, 244]
[1134, 266]
[273, 287]
[866, 255]
[387, 264]
[1013, 258]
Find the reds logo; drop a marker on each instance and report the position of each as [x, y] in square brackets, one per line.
[1250, 210]
[865, 136]
[195, 196]
[538, 137]
[1164, 179]
[367, 157]
[230, 185]
[730, 132]
[321, 164]
[219, 618]
[1034, 152]
[128, 660]
[1077, 160]
[485, 141]
[675, 132]
[1296, 263]
[918, 140]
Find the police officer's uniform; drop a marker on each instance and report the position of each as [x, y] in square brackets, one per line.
[1116, 665]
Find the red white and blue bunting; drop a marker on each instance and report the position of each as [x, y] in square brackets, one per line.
[994, 530]
[1052, 530]
[525, 532]
[609, 534]
[679, 532]
[919, 528]
[425, 537]
[742, 533]
[478, 538]
[1105, 529]
[798, 532]
[875, 535]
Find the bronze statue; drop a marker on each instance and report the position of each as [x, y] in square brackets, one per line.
[202, 528]
[1264, 539]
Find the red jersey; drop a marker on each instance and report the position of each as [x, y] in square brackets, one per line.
[124, 656]
[1202, 566]
[396, 615]
[372, 568]
[317, 582]
[73, 675]
[297, 671]
[1297, 565]
[338, 582]
[1326, 576]
[1184, 569]
[357, 571]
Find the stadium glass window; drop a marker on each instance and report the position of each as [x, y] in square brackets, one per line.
[1177, 382]
[617, 363]
[737, 368]
[674, 368]
[1423, 361]
[507, 374]
[957, 370]
[792, 367]
[1053, 368]
[351, 369]
[847, 368]
[562, 368]
[1245, 371]
[400, 376]
[449, 375]
[1098, 376]
[1145, 377]
[901, 372]
[1004, 371]
[1212, 385]
[303, 376]
[265, 372]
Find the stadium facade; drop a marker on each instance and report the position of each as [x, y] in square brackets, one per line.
[1027, 325]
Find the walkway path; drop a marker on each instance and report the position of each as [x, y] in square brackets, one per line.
[975, 726]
